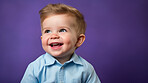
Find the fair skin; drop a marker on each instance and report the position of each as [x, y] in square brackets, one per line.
[59, 37]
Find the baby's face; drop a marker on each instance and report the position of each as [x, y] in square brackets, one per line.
[59, 37]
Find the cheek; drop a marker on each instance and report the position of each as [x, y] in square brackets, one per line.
[70, 40]
[44, 40]
[66, 39]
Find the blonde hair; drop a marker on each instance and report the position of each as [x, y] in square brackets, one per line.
[52, 9]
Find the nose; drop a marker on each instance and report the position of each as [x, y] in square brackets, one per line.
[54, 36]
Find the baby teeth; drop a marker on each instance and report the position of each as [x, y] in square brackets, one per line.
[55, 44]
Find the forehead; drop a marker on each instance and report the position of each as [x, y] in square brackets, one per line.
[59, 20]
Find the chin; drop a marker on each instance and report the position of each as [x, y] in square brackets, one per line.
[56, 55]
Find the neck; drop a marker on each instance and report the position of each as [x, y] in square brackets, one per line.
[62, 60]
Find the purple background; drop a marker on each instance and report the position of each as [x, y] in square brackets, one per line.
[116, 38]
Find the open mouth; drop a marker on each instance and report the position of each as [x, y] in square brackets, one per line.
[56, 44]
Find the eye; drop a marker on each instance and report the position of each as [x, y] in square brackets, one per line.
[63, 30]
[47, 31]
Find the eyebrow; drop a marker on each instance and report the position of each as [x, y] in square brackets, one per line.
[58, 27]
[46, 28]
[64, 27]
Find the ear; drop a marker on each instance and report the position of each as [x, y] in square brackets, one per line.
[41, 37]
[80, 40]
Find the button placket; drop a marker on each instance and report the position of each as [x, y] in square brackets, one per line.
[61, 75]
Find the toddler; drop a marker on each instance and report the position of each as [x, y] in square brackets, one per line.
[63, 31]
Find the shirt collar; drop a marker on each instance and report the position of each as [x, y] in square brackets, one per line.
[50, 60]
[75, 58]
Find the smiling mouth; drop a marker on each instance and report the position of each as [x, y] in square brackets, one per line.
[55, 44]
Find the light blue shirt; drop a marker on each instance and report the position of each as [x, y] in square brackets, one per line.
[46, 69]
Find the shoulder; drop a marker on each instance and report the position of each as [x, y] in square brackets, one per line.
[39, 61]
[37, 64]
[89, 72]
[86, 65]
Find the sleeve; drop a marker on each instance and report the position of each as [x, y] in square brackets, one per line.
[93, 78]
[29, 76]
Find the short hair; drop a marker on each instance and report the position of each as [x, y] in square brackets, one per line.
[53, 9]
